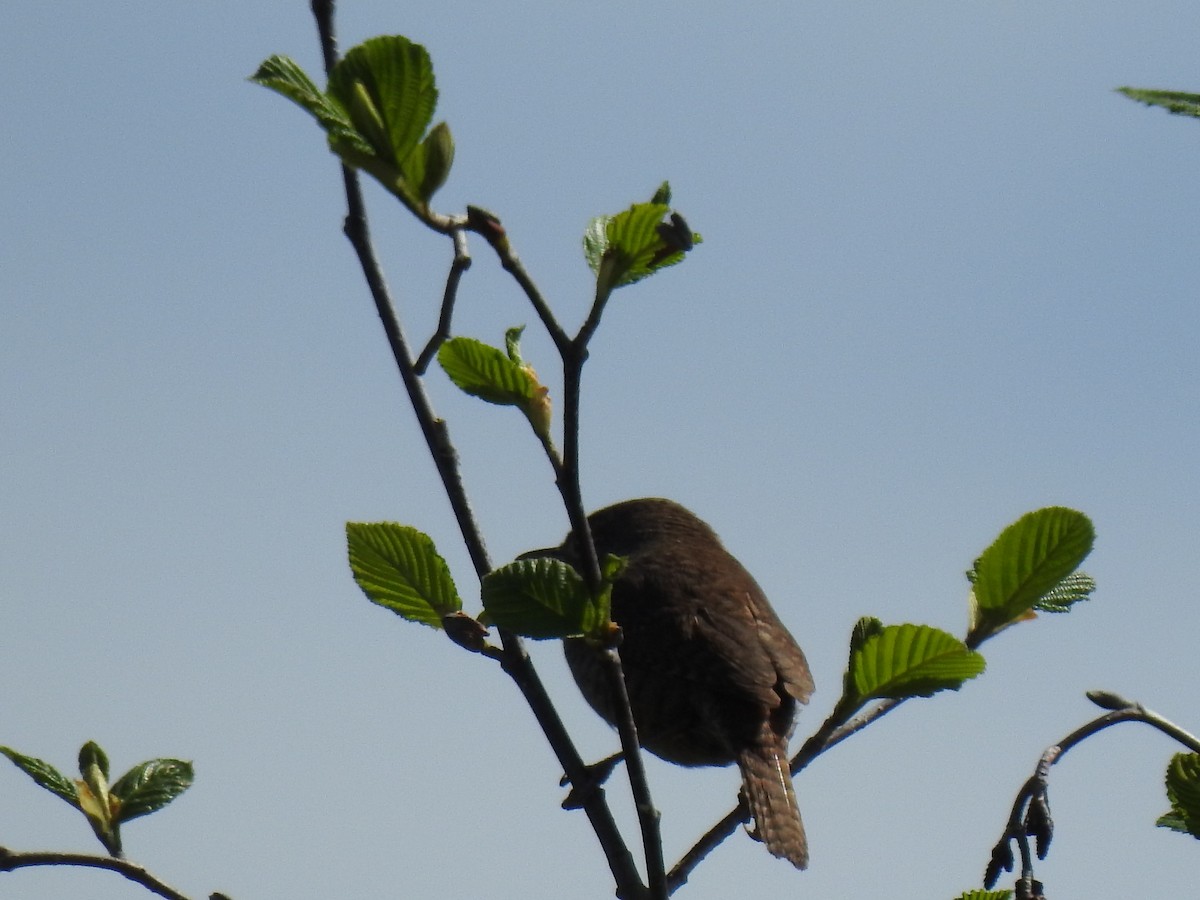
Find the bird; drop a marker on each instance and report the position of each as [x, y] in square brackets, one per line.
[712, 674]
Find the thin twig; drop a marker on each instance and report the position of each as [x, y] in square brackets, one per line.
[1037, 784]
[514, 659]
[516, 663]
[574, 354]
[568, 479]
[649, 818]
[832, 732]
[487, 225]
[835, 729]
[357, 231]
[11, 860]
[460, 264]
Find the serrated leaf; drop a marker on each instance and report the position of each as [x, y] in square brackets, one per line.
[150, 786]
[1027, 562]
[1075, 587]
[985, 895]
[911, 661]
[1173, 822]
[636, 243]
[629, 242]
[486, 372]
[44, 775]
[540, 599]
[1177, 102]
[1183, 790]
[595, 241]
[397, 76]
[399, 568]
[285, 77]
[866, 627]
[497, 377]
[380, 100]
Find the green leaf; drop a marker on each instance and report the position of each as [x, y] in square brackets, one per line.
[1183, 790]
[150, 786]
[485, 372]
[95, 799]
[1024, 565]
[365, 116]
[91, 754]
[45, 775]
[1059, 599]
[595, 242]
[540, 599]
[398, 567]
[490, 374]
[1172, 101]
[866, 627]
[512, 343]
[984, 895]
[636, 243]
[427, 167]
[901, 661]
[387, 85]
[397, 76]
[282, 75]
[379, 103]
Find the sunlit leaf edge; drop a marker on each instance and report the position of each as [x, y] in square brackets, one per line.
[911, 661]
[44, 775]
[540, 598]
[486, 372]
[1027, 560]
[398, 567]
[151, 785]
[1178, 102]
[1183, 791]
[397, 74]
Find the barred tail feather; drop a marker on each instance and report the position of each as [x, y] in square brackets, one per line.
[768, 786]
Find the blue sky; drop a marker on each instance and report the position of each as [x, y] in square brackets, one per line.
[948, 277]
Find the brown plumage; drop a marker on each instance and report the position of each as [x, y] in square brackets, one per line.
[713, 676]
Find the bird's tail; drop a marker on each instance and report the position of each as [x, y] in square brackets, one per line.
[767, 782]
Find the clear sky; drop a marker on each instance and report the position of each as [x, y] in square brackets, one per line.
[948, 277]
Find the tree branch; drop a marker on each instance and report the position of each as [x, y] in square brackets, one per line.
[514, 659]
[11, 861]
[1030, 813]
[648, 815]
[460, 264]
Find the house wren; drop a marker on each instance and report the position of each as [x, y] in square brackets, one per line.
[713, 676]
